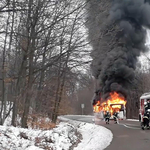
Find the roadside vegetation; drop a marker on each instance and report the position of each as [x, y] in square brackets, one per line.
[45, 62]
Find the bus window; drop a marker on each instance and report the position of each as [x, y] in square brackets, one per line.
[122, 108]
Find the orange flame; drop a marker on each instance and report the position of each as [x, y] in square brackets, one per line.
[97, 107]
[114, 103]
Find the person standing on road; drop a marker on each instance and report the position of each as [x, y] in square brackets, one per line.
[107, 117]
[145, 122]
[115, 115]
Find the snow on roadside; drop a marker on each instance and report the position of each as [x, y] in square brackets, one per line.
[94, 137]
[60, 138]
[132, 119]
[68, 135]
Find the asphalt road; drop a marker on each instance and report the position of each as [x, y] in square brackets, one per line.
[127, 135]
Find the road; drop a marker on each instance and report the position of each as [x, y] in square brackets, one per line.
[127, 135]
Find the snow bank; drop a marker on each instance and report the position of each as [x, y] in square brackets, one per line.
[94, 137]
[70, 135]
[60, 138]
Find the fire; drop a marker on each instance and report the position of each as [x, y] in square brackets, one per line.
[97, 107]
[114, 103]
[115, 98]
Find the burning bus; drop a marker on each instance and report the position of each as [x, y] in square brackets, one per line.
[114, 103]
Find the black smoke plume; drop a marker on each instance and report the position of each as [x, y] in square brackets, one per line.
[117, 31]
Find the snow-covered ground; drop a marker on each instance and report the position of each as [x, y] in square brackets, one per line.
[68, 135]
[94, 137]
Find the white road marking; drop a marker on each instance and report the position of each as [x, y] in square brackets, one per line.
[129, 126]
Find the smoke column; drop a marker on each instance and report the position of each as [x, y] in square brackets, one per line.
[117, 31]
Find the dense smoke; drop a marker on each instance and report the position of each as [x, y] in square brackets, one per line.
[117, 31]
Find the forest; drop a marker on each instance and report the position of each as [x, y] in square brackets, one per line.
[49, 62]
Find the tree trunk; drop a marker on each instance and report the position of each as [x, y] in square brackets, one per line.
[31, 49]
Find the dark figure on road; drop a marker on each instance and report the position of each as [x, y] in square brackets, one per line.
[145, 123]
[107, 117]
[147, 105]
[115, 115]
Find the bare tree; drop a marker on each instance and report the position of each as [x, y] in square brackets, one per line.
[45, 49]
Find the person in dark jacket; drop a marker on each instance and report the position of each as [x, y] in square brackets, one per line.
[146, 118]
[115, 116]
[107, 117]
[147, 105]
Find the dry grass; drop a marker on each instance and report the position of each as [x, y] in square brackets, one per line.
[39, 122]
